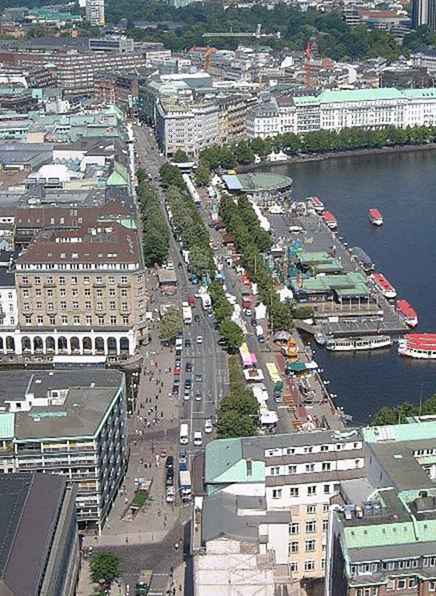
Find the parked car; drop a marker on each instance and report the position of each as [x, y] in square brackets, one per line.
[198, 396]
[198, 378]
[208, 426]
[169, 463]
[171, 494]
[188, 367]
[183, 456]
[188, 343]
[199, 339]
[198, 438]
[169, 477]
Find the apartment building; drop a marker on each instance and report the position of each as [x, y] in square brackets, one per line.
[8, 301]
[40, 544]
[335, 110]
[297, 472]
[232, 117]
[189, 126]
[382, 536]
[71, 423]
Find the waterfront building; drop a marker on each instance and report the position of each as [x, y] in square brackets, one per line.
[298, 473]
[382, 536]
[72, 423]
[95, 13]
[40, 544]
[335, 110]
[264, 188]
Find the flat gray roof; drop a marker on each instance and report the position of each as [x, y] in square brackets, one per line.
[400, 465]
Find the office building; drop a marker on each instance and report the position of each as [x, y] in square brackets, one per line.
[39, 553]
[95, 12]
[71, 423]
[382, 536]
[420, 13]
[335, 110]
[297, 473]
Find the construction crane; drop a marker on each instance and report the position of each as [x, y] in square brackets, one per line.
[309, 64]
[257, 36]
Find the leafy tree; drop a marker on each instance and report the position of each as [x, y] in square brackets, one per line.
[405, 410]
[180, 156]
[202, 174]
[170, 324]
[171, 176]
[155, 236]
[141, 176]
[105, 566]
[232, 334]
[231, 424]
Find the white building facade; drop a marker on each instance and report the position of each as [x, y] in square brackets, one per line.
[335, 110]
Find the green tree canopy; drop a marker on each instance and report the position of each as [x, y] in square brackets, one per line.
[170, 324]
[180, 156]
[232, 334]
[105, 566]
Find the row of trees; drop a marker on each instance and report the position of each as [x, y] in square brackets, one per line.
[320, 141]
[155, 233]
[399, 414]
[334, 37]
[190, 229]
[238, 414]
[252, 241]
[171, 324]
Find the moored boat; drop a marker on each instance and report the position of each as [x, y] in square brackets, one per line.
[364, 260]
[357, 344]
[385, 287]
[316, 203]
[418, 345]
[375, 217]
[330, 220]
[407, 313]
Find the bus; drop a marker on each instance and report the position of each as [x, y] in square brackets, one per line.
[184, 434]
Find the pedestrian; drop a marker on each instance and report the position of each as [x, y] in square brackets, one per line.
[176, 546]
[161, 414]
[127, 540]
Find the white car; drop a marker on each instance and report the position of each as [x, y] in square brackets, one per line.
[199, 339]
[171, 494]
[198, 438]
[208, 426]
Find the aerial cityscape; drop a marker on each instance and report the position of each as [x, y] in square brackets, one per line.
[217, 322]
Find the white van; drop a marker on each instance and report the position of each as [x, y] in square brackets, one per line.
[198, 438]
[184, 434]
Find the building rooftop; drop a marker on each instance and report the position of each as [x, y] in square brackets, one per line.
[88, 395]
[29, 506]
[257, 182]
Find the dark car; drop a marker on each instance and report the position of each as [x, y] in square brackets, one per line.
[197, 318]
[175, 390]
[198, 378]
[188, 383]
[169, 463]
[188, 343]
[188, 367]
[176, 381]
[169, 478]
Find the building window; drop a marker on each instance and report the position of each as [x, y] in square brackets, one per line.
[292, 469]
[27, 320]
[290, 451]
[326, 489]
[310, 546]
[311, 509]
[101, 320]
[311, 490]
[88, 305]
[37, 280]
[277, 493]
[326, 466]
[111, 279]
[325, 507]
[50, 306]
[310, 467]
[63, 305]
[52, 320]
[88, 319]
[310, 526]
[75, 292]
[123, 292]
[99, 293]
[62, 292]
[25, 293]
[308, 449]
[124, 306]
[309, 565]
[38, 292]
[293, 566]
[26, 307]
[39, 305]
[62, 281]
[112, 292]
[324, 447]
[75, 305]
[86, 279]
[294, 528]
[40, 320]
[293, 547]
[99, 280]
[64, 320]
[325, 524]
[322, 563]
[74, 279]
[294, 491]
[112, 305]
[412, 583]
[274, 471]
[49, 293]
[123, 279]
[76, 320]
[99, 305]
[113, 320]
[87, 292]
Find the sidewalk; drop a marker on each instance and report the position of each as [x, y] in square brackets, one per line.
[153, 432]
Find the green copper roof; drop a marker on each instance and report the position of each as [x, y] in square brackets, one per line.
[225, 463]
[119, 176]
[7, 425]
[384, 93]
[379, 535]
[414, 431]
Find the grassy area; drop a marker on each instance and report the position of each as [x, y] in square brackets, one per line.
[139, 499]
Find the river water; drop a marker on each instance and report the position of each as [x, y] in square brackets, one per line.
[403, 187]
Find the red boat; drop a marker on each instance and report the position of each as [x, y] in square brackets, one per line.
[375, 217]
[330, 220]
[385, 287]
[407, 313]
[418, 345]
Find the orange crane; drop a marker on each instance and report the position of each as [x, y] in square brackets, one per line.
[308, 64]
